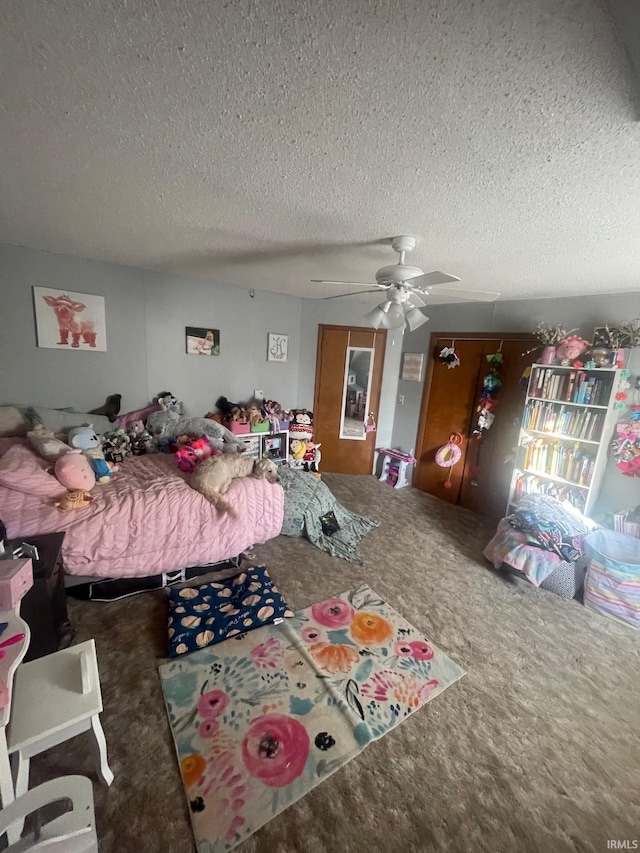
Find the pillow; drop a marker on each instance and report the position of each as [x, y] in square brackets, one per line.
[22, 471]
[202, 615]
[60, 421]
[123, 421]
[12, 421]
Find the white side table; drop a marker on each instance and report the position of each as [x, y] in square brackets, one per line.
[55, 698]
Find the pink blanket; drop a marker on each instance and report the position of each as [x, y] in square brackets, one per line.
[148, 521]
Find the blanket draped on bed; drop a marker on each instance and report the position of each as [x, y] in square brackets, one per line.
[306, 500]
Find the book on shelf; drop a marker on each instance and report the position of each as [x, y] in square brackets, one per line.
[588, 394]
[571, 381]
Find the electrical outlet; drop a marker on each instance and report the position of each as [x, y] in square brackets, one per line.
[258, 395]
[401, 399]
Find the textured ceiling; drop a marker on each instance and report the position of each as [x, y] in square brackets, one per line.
[267, 143]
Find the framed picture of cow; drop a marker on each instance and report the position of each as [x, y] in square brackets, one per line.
[66, 320]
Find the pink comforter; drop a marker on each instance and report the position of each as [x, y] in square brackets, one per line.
[149, 521]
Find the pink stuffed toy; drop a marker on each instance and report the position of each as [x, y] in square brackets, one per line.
[188, 456]
[74, 471]
[571, 348]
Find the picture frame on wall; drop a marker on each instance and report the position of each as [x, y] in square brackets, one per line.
[201, 340]
[67, 320]
[412, 364]
[277, 347]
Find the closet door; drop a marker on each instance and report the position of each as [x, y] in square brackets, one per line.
[480, 480]
[349, 370]
[489, 461]
[450, 408]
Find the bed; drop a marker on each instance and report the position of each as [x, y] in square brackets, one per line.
[145, 522]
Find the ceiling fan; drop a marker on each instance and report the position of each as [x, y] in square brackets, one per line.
[405, 286]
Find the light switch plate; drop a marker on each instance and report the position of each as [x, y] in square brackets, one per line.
[258, 395]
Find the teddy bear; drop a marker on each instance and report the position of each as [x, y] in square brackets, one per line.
[163, 423]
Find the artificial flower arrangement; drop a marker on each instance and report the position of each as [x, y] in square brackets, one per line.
[551, 336]
[622, 335]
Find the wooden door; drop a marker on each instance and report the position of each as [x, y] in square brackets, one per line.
[344, 455]
[480, 480]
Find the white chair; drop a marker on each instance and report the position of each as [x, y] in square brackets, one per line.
[72, 832]
[55, 698]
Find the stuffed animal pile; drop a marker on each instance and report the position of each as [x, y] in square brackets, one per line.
[251, 413]
[168, 422]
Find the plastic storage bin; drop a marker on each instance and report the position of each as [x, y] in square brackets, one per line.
[612, 585]
[237, 428]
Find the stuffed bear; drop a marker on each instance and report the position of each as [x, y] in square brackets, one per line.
[162, 424]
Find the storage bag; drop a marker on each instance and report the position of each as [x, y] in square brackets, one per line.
[612, 585]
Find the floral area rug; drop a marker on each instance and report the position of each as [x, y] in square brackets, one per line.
[260, 719]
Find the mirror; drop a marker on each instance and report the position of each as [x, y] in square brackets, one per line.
[356, 390]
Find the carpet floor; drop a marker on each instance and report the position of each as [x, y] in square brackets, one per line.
[536, 749]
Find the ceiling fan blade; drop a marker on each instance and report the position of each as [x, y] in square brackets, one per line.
[354, 283]
[466, 295]
[428, 279]
[355, 293]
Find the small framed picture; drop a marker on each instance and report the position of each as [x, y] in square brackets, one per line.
[202, 341]
[277, 346]
[412, 366]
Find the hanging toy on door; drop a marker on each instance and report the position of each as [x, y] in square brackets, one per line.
[490, 387]
[370, 425]
[449, 356]
[448, 455]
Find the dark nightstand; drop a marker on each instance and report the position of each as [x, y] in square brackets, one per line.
[44, 607]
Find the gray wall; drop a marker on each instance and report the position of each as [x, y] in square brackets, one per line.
[148, 311]
[57, 378]
[583, 313]
[617, 492]
[146, 315]
[344, 312]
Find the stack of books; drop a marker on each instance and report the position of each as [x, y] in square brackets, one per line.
[573, 386]
[583, 424]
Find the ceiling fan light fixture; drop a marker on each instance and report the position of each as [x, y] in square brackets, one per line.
[395, 316]
[378, 317]
[415, 318]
